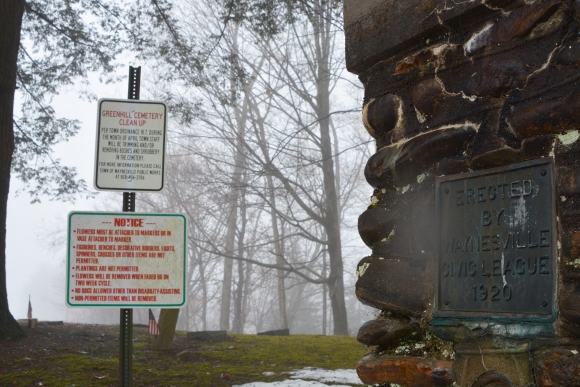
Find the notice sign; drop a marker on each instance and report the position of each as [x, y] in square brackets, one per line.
[497, 243]
[130, 154]
[126, 259]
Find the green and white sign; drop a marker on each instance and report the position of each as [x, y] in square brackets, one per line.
[130, 145]
[126, 260]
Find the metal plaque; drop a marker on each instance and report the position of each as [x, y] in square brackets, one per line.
[497, 243]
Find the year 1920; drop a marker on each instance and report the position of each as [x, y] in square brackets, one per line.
[496, 293]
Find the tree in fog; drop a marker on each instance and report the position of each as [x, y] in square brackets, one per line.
[45, 46]
[255, 101]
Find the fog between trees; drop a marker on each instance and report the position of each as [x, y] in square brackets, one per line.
[265, 158]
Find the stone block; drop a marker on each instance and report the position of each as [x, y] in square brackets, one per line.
[555, 116]
[516, 24]
[509, 361]
[569, 301]
[492, 378]
[389, 332]
[426, 95]
[385, 284]
[497, 77]
[373, 28]
[381, 115]
[404, 371]
[558, 367]
[376, 224]
[399, 164]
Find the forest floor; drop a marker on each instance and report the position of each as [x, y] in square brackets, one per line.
[84, 355]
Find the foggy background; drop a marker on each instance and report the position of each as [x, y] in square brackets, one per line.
[36, 234]
[250, 132]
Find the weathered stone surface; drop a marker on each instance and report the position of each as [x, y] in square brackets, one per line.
[492, 379]
[389, 332]
[420, 60]
[554, 116]
[373, 28]
[508, 360]
[509, 70]
[376, 224]
[517, 24]
[505, 4]
[400, 164]
[405, 371]
[384, 284]
[426, 95]
[570, 302]
[497, 78]
[568, 182]
[403, 221]
[558, 368]
[373, 330]
[381, 115]
[531, 148]
[570, 55]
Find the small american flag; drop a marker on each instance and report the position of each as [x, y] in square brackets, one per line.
[29, 309]
[153, 329]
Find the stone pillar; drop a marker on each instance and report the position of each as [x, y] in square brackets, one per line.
[474, 223]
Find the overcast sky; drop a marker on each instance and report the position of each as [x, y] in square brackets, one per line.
[32, 266]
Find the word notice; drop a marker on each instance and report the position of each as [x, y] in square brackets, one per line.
[126, 260]
[130, 145]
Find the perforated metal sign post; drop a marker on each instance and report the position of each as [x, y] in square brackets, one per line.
[497, 243]
[130, 145]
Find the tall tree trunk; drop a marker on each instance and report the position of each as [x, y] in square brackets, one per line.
[10, 22]
[203, 295]
[278, 246]
[279, 255]
[238, 310]
[324, 296]
[332, 217]
[226, 300]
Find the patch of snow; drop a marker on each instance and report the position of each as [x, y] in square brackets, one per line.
[318, 377]
[287, 383]
[327, 376]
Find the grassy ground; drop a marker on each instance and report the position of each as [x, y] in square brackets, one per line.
[87, 355]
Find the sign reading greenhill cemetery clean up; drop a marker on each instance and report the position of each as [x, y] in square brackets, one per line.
[497, 243]
[126, 259]
[130, 145]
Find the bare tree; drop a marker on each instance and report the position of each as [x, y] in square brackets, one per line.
[259, 111]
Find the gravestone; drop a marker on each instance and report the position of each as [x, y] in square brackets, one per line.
[276, 332]
[208, 336]
[474, 222]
